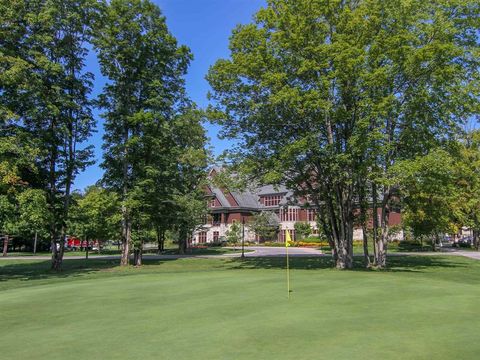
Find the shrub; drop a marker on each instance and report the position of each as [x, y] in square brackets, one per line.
[303, 229]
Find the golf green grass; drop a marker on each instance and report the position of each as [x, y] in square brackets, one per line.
[422, 308]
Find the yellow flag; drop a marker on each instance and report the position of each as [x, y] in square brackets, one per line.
[288, 239]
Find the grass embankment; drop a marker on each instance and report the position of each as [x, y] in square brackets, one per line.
[422, 308]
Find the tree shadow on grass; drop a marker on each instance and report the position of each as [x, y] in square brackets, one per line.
[408, 263]
[25, 271]
[38, 270]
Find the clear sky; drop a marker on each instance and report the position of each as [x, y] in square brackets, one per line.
[205, 27]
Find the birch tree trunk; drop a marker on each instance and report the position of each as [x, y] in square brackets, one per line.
[35, 243]
[382, 241]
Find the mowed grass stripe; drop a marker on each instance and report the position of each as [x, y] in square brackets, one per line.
[215, 309]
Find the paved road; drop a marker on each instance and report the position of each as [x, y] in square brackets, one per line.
[254, 251]
[470, 254]
[263, 251]
[258, 251]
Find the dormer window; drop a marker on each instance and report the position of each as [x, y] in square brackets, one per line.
[212, 202]
[272, 200]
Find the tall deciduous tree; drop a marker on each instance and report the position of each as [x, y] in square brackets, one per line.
[432, 195]
[18, 156]
[190, 177]
[45, 90]
[143, 99]
[33, 215]
[96, 215]
[322, 94]
[467, 165]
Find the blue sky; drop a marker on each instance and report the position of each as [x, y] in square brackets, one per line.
[202, 25]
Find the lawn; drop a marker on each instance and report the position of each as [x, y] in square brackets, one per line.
[422, 308]
[214, 250]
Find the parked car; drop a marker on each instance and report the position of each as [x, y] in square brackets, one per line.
[464, 242]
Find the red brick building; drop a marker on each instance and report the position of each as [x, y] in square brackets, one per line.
[227, 207]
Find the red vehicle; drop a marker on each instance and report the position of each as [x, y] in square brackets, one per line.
[74, 244]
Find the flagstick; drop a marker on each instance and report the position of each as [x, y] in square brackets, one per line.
[288, 275]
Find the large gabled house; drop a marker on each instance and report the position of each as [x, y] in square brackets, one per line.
[227, 207]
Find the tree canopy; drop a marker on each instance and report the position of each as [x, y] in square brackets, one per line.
[324, 95]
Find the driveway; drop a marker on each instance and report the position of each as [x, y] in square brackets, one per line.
[258, 251]
[263, 251]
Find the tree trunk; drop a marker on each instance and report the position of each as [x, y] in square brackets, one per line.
[86, 251]
[35, 243]
[362, 187]
[375, 222]
[434, 242]
[381, 244]
[160, 240]
[5, 246]
[341, 225]
[138, 254]
[126, 240]
[182, 242]
[126, 223]
[366, 256]
[57, 255]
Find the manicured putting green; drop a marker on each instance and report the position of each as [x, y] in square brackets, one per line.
[423, 308]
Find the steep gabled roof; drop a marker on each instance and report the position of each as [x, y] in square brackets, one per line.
[220, 197]
[246, 199]
[249, 198]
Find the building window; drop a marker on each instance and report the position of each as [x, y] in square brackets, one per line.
[212, 202]
[311, 215]
[202, 237]
[215, 236]
[290, 214]
[272, 200]
[216, 219]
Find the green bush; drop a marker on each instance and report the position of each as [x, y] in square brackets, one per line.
[413, 246]
[312, 239]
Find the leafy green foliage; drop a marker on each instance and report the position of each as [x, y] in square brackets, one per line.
[154, 155]
[325, 97]
[96, 215]
[431, 195]
[302, 230]
[234, 233]
[34, 217]
[45, 94]
[265, 225]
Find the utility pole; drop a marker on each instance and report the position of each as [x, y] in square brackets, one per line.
[243, 237]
